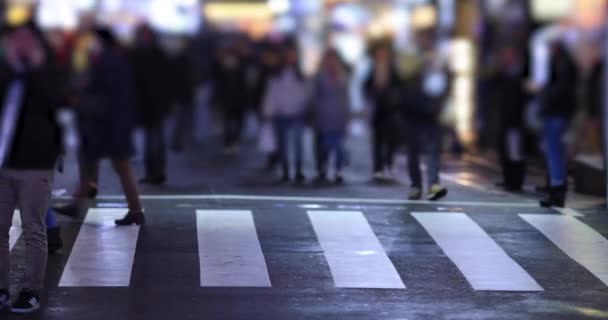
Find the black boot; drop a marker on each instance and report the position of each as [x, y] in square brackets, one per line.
[54, 240]
[556, 197]
[137, 218]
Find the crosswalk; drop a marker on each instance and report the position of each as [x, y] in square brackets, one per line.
[230, 252]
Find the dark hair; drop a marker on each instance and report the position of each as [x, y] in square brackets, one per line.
[106, 36]
[333, 52]
[381, 44]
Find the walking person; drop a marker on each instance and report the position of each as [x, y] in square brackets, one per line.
[30, 93]
[230, 94]
[331, 114]
[559, 102]
[149, 66]
[108, 118]
[511, 99]
[382, 89]
[423, 104]
[285, 104]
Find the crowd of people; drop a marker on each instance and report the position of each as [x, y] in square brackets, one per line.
[114, 89]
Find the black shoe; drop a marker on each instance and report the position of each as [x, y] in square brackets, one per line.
[27, 302]
[137, 218]
[54, 240]
[339, 179]
[5, 298]
[436, 192]
[321, 179]
[153, 181]
[92, 193]
[556, 198]
[300, 178]
[70, 210]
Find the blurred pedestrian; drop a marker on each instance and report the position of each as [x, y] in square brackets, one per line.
[150, 70]
[425, 100]
[383, 88]
[269, 66]
[331, 113]
[231, 95]
[180, 86]
[30, 94]
[511, 99]
[559, 101]
[285, 104]
[108, 117]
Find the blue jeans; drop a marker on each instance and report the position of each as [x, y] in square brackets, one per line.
[423, 137]
[331, 142]
[288, 131]
[554, 129]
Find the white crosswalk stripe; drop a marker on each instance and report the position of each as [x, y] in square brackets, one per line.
[354, 254]
[229, 250]
[15, 231]
[231, 255]
[103, 254]
[482, 262]
[576, 239]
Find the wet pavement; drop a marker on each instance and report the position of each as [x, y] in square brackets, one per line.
[224, 240]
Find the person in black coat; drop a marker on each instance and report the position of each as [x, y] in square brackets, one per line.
[559, 101]
[231, 94]
[150, 68]
[511, 99]
[107, 118]
[382, 89]
[31, 91]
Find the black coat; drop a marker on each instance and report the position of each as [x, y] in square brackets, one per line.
[37, 140]
[151, 79]
[388, 100]
[108, 109]
[560, 97]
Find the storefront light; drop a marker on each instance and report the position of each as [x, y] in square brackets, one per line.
[279, 6]
[17, 14]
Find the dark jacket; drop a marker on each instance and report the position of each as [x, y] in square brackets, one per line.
[419, 104]
[108, 110]
[150, 70]
[386, 100]
[230, 88]
[37, 140]
[559, 97]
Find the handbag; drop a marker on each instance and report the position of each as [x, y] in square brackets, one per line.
[267, 140]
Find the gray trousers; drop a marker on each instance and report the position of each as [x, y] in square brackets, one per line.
[29, 191]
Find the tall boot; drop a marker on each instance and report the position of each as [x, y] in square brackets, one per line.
[556, 197]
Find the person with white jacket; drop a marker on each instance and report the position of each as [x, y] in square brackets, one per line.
[285, 104]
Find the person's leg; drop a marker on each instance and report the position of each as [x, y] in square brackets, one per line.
[432, 145]
[8, 204]
[280, 129]
[553, 132]
[298, 137]
[34, 192]
[324, 153]
[413, 157]
[340, 156]
[378, 150]
[155, 157]
[554, 129]
[123, 169]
